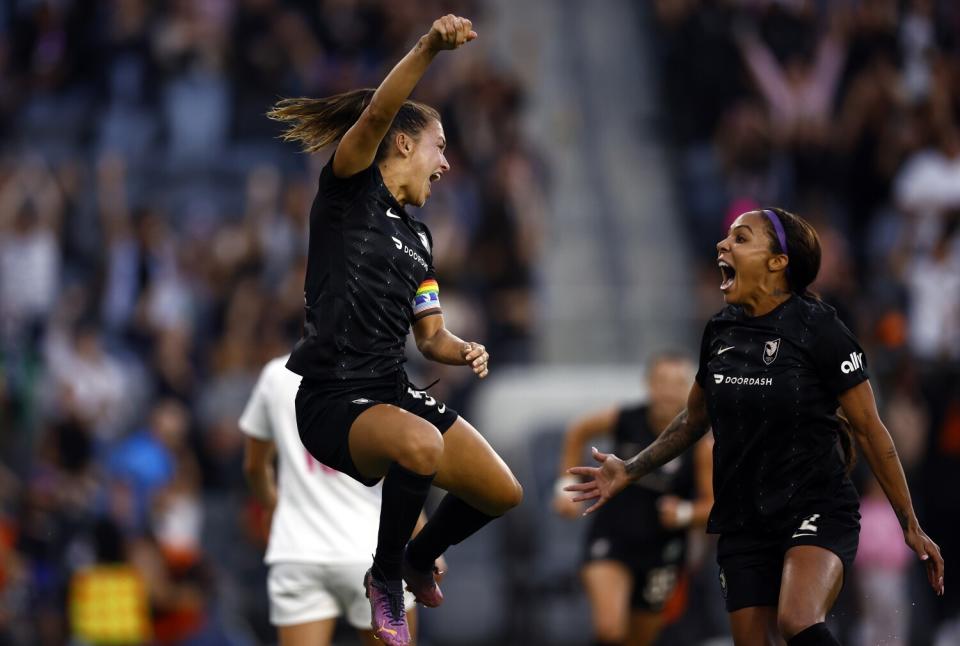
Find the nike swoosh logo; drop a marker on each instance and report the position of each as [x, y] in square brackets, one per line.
[383, 628]
[722, 350]
[802, 535]
[392, 215]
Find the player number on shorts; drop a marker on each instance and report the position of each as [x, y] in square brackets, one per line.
[808, 524]
[419, 394]
[660, 584]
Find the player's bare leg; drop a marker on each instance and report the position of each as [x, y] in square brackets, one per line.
[471, 470]
[608, 585]
[312, 633]
[644, 628]
[812, 578]
[755, 626]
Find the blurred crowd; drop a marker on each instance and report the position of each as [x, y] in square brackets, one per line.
[848, 114]
[152, 241]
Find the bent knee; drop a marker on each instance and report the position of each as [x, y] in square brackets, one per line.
[792, 622]
[508, 496]
[420, 449]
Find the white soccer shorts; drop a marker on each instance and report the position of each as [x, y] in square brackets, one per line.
[304, 592]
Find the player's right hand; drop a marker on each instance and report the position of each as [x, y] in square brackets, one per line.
[602, 483]
[450, 32]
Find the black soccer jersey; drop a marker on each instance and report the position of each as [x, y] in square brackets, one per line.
[633, 513]
[771, 385]
[369, 276]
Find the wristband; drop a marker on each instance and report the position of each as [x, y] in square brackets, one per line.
[684, 513]
[564, 481]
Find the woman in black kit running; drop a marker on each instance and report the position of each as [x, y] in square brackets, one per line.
[636, 546]
[369, 279]
[775, 365]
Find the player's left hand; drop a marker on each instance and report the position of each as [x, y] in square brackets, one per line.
[674, 512]
[929, 553]
[476, 356]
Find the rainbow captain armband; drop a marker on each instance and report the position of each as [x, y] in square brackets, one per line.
[427, 300]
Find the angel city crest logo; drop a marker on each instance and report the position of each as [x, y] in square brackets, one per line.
[770, 350]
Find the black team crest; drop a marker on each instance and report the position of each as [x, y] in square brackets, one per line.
[770, 350]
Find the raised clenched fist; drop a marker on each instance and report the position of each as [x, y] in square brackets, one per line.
[449, 32]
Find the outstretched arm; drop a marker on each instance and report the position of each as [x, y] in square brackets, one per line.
[439, 344]
[574, 441]
[682, 433]
[860, 407]
[358, 147]
[610, 479]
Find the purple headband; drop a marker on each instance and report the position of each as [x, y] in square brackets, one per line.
[778, 227]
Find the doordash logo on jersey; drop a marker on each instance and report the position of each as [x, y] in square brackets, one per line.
[742, 381]
[410, 252]
[855, 363]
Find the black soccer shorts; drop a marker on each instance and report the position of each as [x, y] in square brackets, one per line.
[655, 565]
[751, 563]
[326, 411]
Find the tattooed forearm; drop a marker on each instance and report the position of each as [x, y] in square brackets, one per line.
[682, 433]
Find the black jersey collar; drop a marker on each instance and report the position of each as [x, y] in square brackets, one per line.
[742, 314]
[387, 195]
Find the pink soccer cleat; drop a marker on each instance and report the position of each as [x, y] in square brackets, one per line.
[388, 617]
[423, 584]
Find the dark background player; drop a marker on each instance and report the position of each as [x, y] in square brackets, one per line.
[635, 549]
[369, 279]
[774, 366]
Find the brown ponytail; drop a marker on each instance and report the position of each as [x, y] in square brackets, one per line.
[846, 442]
[317, 123]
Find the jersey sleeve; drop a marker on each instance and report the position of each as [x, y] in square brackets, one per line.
[255, 420]
[838, 358]
[426, 302]
[343, 190]
[705, 341]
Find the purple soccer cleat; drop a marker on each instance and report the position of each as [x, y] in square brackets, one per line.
[388, 617]
[423, 584]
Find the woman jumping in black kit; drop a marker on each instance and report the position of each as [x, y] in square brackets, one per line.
[775, 365]
[369, 279]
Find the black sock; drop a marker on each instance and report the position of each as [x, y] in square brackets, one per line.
[453, 521]
[815, 635]
[403, 495]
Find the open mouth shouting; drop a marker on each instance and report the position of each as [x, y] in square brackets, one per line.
[728, 274]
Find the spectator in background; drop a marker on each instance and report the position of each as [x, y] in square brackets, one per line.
[148, 461]
[31, 204]
[88, 382]
[108, 599]
[932, 278]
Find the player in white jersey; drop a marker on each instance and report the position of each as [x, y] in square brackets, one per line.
[324, 525]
